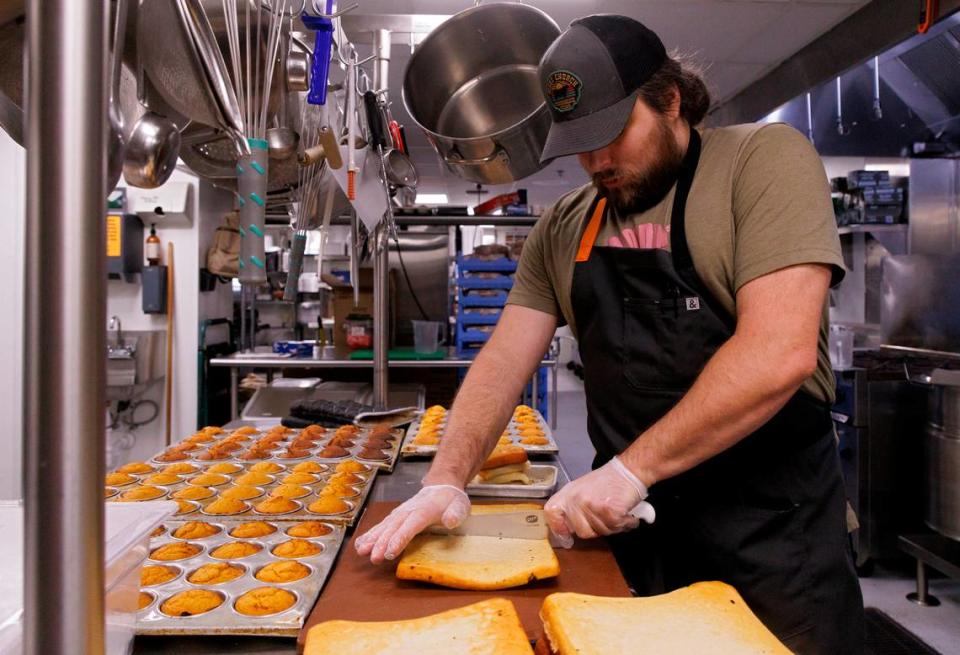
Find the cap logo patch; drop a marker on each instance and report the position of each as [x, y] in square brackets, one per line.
[563, 90]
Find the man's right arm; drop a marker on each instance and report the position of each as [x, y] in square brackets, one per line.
[489, 393]
[482, 409]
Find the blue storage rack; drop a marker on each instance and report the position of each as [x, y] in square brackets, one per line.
[469, 341]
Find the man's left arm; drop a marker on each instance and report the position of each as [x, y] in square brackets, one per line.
[748, 379]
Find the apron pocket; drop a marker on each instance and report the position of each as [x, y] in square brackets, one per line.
[662, 345]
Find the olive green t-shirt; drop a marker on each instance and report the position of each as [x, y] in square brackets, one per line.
[760, 202]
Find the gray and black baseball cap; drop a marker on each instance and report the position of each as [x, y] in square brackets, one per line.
[590, 76]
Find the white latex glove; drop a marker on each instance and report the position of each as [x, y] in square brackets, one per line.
[439, 503]
[605, 501]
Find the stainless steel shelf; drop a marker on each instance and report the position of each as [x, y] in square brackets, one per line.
[866, 227]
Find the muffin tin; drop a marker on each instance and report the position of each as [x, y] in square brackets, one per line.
[279, 451]
[198, 511]
[225, 619]
[411, 449]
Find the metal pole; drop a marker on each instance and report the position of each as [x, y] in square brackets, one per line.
[381, 68]
[64, 328]
[381, 321]
[553, 390]
[234, 391]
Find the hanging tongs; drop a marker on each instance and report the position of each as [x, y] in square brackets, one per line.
[378, 140]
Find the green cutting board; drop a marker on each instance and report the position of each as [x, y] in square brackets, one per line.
[399, 353]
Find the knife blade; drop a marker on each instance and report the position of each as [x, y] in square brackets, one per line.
[527, 524]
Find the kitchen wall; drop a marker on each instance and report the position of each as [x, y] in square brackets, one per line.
[190, 244]
[13, 217]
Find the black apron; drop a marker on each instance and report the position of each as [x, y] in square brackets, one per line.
[767, 515]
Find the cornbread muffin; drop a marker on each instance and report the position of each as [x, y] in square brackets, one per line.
[171, 456]
[314, 429]
[157, 531]
[303, 443]
[276, 505]
[254, 478]
[294, 453]
[300, 478]
[534, 441]
[377, 444]
[342, 477]
[213, 454]
[135, 467]
[154, 574]
[210, 429]
[200, 437]
[119, 479]
[225, 468]
[235, 550]
[180, 468]
[290, 491]
[309, 467]
[338, 491]
[373, 454]
[216, 573]
[186, 507]
[282, 572]
[328, 505]
[175, 550]
[246, 429]
[266, 467]
[264, 600]
[504, 441]
[192, 493]
[191, 602]
[226, 506]
[144, 600]
[309, 529]
[426, 440]
[254, 453]
[269, 441]
[143, 493]
[352, 466]
[163, 478]
[252, 529]
[227, 446]
[208, 480]
[241, 492]
[109, 492]
[333, 452]
[196, 530]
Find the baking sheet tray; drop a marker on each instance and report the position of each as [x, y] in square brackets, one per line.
[410, 449]
[302, 514]
[225, 620]
[544, 478]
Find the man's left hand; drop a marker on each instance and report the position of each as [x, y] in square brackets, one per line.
[605, 501]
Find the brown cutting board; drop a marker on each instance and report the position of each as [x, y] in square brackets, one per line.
[360, 591]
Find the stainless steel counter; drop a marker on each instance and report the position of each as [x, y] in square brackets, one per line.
[397, 486]
[272, 362]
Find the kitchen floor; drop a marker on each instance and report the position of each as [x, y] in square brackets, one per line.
[884, 589]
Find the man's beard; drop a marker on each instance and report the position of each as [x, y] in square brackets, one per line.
[640, 190]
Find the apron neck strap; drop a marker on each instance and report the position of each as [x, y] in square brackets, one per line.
[593, 228]
[678, 229]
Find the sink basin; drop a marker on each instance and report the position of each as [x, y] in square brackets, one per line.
[136, 360]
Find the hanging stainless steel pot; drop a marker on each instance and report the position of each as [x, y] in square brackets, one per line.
[472, 85]
[942, 454]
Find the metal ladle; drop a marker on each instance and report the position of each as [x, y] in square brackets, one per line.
[153, 147]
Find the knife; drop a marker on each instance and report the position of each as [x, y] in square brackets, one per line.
[527, 524]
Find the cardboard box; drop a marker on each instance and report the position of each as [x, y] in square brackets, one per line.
[343, 305]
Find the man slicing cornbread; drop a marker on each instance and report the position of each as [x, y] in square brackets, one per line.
[694, 271]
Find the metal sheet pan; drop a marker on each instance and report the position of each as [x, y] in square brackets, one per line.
[249, 513]
[543, 475]
[225, 620]
[411, 449]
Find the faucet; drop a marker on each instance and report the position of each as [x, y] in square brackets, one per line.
[115, 325]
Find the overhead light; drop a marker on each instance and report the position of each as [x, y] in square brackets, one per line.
[896, 169]
[432, 199]
[426, 23]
